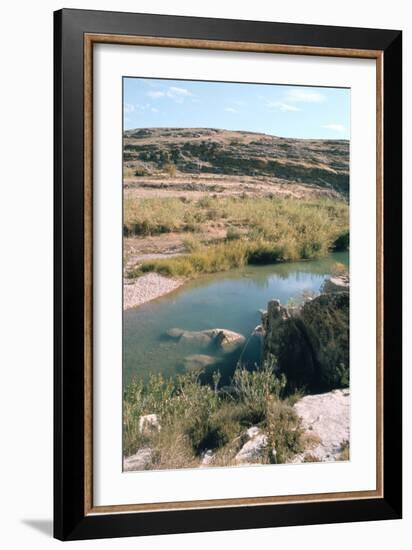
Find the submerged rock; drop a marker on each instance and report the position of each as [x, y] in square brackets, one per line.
[199, 361]
[174, 333]
[225, 340]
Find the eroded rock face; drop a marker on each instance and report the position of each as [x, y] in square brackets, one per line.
[310, 343]
[138, 461]
[216, 151]
[326, 421]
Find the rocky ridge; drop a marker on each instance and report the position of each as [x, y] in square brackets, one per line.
[209, 151]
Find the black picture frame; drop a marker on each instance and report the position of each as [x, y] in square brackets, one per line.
[71, 522]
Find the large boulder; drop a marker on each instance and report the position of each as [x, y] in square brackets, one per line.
[325, 419]
[228, 340]
[225, 340]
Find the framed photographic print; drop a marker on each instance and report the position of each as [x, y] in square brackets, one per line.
[227, 274]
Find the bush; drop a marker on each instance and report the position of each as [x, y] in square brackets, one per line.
[170, 169]
[232, 234]
[341, 243]
[283, 431]
[312, 346]
[195, 417]
[141, 171]
[254, 388]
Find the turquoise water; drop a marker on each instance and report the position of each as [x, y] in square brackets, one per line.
[228, 300]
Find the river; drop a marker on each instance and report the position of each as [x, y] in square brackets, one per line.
[229, 300]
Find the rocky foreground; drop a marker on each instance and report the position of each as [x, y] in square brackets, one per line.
[325, 419]
[305, 348]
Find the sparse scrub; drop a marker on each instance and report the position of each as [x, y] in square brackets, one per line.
[260, 230]
[196, 417]
[344, 451]
[170, 169]
[232, 234]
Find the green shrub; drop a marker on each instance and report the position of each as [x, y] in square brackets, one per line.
[253, 388]
[312, 346]
[283, 431]
[195, 417]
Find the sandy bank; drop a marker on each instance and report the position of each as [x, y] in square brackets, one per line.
[147, 288]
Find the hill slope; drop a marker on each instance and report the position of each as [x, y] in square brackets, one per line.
[153, 152]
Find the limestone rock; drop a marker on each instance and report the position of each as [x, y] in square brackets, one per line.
[148, 424]
[339, 283]
[225, 340]
[207, 458]
[174, 333]
[327, 417]
[138, 461]
[228, 340]
[252, 450]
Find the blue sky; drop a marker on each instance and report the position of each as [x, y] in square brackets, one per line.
[286, 111]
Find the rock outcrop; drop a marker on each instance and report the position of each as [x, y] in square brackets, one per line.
[324, 163]
[310, 343]
[326, 421]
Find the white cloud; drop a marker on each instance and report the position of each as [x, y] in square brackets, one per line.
[297, 95]
[173, 92]
[231, 110]
[335, 127]
[155, 94]
[178, 94]
[154, 110]
[129, 108]
[285, 107]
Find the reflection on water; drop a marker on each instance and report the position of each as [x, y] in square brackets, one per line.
[226, 300]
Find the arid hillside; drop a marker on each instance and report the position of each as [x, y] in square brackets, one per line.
[207, 160]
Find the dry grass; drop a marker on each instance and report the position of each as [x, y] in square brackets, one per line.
[196, 417]
[258, 230]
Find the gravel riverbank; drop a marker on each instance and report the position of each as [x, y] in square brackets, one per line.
[147, 288]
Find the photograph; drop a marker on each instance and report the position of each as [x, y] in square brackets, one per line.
[236, 200]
